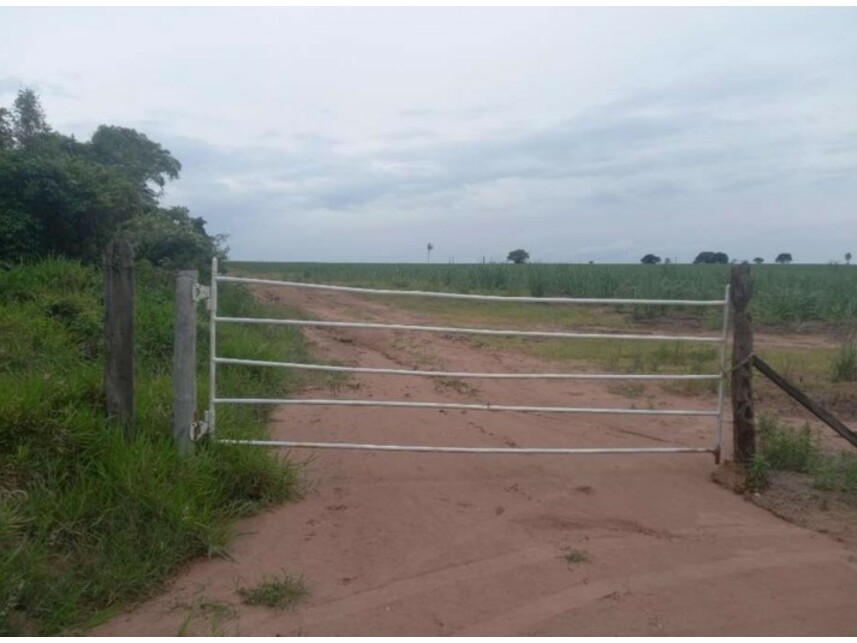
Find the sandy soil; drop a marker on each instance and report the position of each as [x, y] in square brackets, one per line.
[439, 544]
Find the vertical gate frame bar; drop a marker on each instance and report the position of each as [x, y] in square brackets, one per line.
[212, 340]
[721, 385]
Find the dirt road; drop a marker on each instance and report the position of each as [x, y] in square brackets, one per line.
[438, 544]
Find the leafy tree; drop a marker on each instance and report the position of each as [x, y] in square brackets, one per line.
[784, 258]
[711, 257]
[132, 153]
[848, 258]
[518, 256]
[29, 118]
[62, 197]
[758, 260]
[429, 248]
[650, 259]
[171, 238]
[61, 205]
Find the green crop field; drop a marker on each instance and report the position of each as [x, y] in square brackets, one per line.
[783, 295]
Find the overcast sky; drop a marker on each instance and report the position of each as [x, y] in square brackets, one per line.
[577, 134]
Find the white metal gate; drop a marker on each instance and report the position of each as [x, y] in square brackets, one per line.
[215, 400]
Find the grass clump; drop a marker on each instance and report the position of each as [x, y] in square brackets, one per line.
[574, 556]
[845, 363]
[758, 475]
[278, 592]
[206, 617]
[786, 448]
[90, 519]
[783, 447]
[836, 473]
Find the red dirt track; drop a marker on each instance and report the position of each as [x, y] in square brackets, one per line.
[455, 544]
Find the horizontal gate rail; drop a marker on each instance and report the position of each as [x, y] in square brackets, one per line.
[470, 331]
[459, 406]
[455, 295]
[503, 376]
[430, 449]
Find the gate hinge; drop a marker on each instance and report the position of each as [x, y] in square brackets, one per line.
[201, 292]
[199, 428]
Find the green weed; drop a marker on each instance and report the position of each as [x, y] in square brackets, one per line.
[786, 448]
[574, 556]
[758, 473]
[278, 592]
[782, 447]
[215, 616]
[845, 363]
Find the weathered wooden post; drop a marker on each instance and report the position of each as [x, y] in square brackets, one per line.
[184, 361]
[743, 420]
[119, 333]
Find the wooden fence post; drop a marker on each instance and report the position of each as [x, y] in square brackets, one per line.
[743, 420]
[184, 361]
[119, 333]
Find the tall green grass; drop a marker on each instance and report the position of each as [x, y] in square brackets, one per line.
[782, 294]
[845, 362]
[89, 520]
[783, 447]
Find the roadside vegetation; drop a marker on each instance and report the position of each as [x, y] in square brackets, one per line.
[784, 447]
[89, 520]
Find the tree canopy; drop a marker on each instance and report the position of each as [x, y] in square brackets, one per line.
[784, 258]
[59, 196]
[650, 259]
[28, 120]
[7, 134]
[518, 256]
[711, 257]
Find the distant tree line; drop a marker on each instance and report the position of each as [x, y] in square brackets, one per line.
[722, 258]
[63, 197]
[521, 256]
